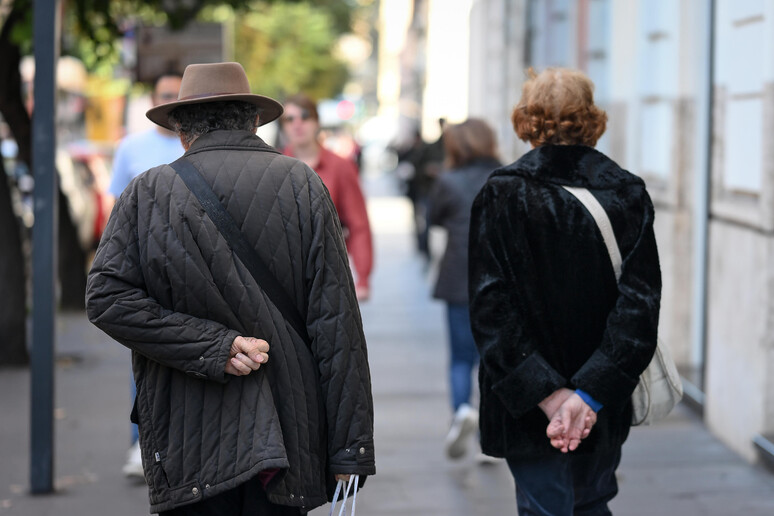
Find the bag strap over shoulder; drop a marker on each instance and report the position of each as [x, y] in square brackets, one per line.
[239, 245]
[603, 222]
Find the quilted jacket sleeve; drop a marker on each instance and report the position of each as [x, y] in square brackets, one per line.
[338, 344]
[612, 372]
[502, 314]
[117, 302]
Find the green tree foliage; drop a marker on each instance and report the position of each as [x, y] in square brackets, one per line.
[284, 44]
[287, 48]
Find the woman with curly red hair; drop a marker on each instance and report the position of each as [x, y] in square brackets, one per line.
[562, 338]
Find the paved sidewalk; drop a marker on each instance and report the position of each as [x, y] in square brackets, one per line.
[673, 468]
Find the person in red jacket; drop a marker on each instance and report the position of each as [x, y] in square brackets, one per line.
[300, 126]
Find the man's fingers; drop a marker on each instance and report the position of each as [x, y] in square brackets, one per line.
[259, 358]
[254, 345]
[240, 366]
[232, 369]
[256, 349]
[249, 362]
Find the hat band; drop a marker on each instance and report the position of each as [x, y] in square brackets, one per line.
[203, 95]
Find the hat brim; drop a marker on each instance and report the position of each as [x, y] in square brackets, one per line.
[268, 108]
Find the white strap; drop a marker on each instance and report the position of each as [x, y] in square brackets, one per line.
[603, 222]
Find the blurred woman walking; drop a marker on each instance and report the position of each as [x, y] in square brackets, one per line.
[471, 151]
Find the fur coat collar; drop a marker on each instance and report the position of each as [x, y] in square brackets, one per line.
[571, 165]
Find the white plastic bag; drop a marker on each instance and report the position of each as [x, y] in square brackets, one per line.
[354, 480]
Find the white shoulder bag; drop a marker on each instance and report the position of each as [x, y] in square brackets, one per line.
[660, 387]
[354, 480]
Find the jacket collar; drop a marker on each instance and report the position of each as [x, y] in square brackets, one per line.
[571, 165]
[232, 140]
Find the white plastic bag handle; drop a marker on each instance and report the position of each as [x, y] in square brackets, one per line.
[353, 480]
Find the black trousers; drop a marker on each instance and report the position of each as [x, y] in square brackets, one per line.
[248, 499]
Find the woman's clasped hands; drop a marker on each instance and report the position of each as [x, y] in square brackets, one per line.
[570, 419]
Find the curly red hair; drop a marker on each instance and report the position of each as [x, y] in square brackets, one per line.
[557, 108]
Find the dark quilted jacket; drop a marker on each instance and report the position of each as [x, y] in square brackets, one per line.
[165, 284]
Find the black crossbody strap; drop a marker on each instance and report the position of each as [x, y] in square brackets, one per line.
[239, 245]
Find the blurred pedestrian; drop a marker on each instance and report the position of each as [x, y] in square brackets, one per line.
[141, 151]
[301, 128]
[471, 155]
[428, 166]
[135, 154]
[223, 429]
[562, 343]
[410, 157]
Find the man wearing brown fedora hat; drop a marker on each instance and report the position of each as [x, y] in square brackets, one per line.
[206, 268]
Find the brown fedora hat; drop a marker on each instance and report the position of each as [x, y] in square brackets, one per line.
[215, 82]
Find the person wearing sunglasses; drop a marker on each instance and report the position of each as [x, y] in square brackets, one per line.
[146, 149]
[301, 127]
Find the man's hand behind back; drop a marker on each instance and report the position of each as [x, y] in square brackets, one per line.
[247, 355]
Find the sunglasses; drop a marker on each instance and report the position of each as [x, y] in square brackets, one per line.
[166, 96]
[305, 115]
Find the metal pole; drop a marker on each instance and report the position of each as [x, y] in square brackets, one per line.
[701, 212]
[44, 238]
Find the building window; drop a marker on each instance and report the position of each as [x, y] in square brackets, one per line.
[741, 37]
[658, 77]
[551, 33]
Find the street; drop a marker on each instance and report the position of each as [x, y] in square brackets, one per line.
[675, 467]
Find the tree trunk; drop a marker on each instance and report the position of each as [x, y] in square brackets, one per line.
[13, 302]
[11, 102]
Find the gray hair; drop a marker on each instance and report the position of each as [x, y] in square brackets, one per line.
[193, 120]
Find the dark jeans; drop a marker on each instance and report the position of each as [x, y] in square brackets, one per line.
[248, 499]
[464, 355]
[566, 485]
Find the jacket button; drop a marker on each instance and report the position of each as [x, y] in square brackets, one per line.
[195, 491]
[292, 496]
[362, 451]
[201, 358]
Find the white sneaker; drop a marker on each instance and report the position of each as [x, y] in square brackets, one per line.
[133, 466]
[464, 423]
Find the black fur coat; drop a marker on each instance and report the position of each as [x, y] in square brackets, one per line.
[545, 308]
